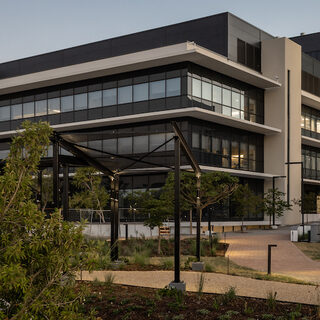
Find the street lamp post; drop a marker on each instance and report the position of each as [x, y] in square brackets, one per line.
[273, 198]
[302, 192]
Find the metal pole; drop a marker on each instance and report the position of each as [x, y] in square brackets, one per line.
[198, 253]
[209, 228]
[55, 173]
[65, 192]
[302, 199]
[176, 210]
[269, 257]
[116, 217]
[112, 219]
[273, 202]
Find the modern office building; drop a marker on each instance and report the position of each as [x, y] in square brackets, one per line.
[247, 102]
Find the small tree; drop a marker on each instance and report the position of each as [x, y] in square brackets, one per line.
[274, 203]
[38, 256]
[152, 204]
[215, 187]
[246, 202]
[92, 195]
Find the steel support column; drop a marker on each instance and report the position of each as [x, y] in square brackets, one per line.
[65, 198]
[176, 210]
[55, 174]
[198, 253]
[115, 217]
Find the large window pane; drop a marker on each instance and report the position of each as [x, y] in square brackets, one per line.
[206, 91]
[125, 94]
[156, 140]
[226, 97]
[54, 105]
[110, 97]
[5, 113]
[226, 110]
[110, 145]
[16, 111]
[244, 155]
[95, 99]
[307, 123]
[157, 89]
[196, 88]
[235, 154]
[140, 144]
[236, 100]
[125, 145]
[169, 145]
[140, 92]
[235, 113]
[195, 140]
[41, 108]
[225, 153]
[28, 109]
[216, 147]
[216, 94]
[80, 101]
[66, 103]
[173, 87]
[205, 143]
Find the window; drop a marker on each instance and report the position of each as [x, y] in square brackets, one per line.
[195, 140]
[244, 155]
[66, 103]
[206, 91]
[125, 145]
[226, 111]
[41, 108]
[196, 88]
[28, 109]
[140, 144]
[156, 140]
[235, 100]
[16, 111]
[140, 92]
[5, 113]
[80, 101]
[157, 89]
[54, 105]
[110, 145]
[95, 99]
[235, 154]
[302, 121]
[205, 143]
[252, 157]
[226, 97]
[225, 153]
[125, 94]
[216, 94]
[216, 148]
[110, 97]
[173, 87]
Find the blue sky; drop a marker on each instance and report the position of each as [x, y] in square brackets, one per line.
[30, 27]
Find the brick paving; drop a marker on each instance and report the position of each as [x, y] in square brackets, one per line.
[214, 283]
[250, 250]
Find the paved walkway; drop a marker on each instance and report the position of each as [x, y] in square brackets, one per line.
[250, 250]
[214, 283]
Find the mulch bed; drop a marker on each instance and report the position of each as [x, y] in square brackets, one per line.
[125, 302]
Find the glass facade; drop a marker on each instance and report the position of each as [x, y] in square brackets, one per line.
[311, 162]
[310, 122]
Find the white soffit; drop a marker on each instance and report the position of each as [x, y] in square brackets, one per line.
[187, 51]
[310, 181]
[310, 142]
[196, 113]
[310, 99]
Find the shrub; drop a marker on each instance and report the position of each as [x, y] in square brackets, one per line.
[141, 258]
[167, 264]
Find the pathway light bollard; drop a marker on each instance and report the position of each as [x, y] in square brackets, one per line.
[269, 257]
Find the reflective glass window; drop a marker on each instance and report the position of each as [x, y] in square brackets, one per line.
[216, 94]
[16, 111]
[95, 99]
[236, 100]
[125, 94]
[125, 145]
[28, 109]
[244, 155]
[205, 143]
[5, 113]
[66, 103]
[226, 97]
[156, 140]
[302, 121]
[173, 87]
[235, 154]
[110, 97]
[4, 154]
[242, 102]
[216, 147]
[80, 101]
[195, 140]
[53, 105]
[226, 110]
[225, 152]
[235, 113]
[313, 124]
[169, 145]
[252, 106]
[41, 108]
[307, 122]
[196, 87]
[140, 92]
[157, 89]
[110, 145]
[318, 126]
[206, 91]
[140, 144]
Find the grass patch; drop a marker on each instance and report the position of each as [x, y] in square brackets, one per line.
[312, 250]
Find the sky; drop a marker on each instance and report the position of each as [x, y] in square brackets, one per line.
[31, 27]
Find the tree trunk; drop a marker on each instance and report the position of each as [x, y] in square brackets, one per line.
[159, 241]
